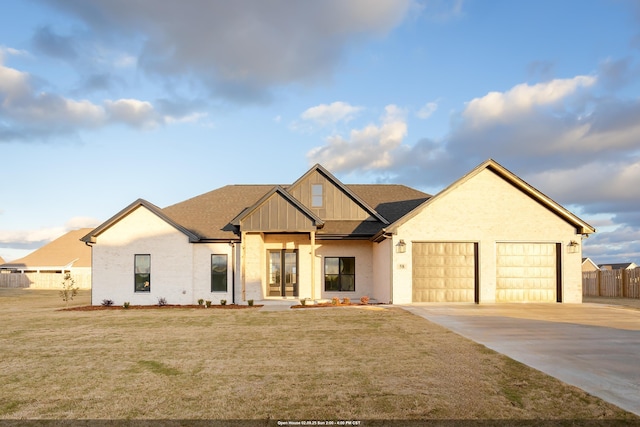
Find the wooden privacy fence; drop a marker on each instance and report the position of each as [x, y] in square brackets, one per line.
[42, 280]
[611, 283]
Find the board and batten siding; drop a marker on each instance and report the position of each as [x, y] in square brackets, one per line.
[277, 214]
[486, 209]
[336, 204]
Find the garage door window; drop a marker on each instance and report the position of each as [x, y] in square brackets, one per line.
[340, 274]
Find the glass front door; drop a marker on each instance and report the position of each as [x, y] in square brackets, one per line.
[283, 273]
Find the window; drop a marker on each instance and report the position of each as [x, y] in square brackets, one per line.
[142, 273]
[218, 273]
[316, 196]
[340, 274]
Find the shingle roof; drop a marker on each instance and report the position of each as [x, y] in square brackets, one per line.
[209, 215]
[617, 266]
[61, 252]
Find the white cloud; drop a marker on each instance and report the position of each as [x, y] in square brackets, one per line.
[31, 236]
[4, 50]
[132, 112]
[31, 114]
[35, 238]
[326, 114]
[521, 99]
[369, 148]
[427, 110]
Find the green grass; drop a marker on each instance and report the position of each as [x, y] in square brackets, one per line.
[334, 364]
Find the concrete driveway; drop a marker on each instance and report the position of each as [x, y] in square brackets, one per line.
[592, 346]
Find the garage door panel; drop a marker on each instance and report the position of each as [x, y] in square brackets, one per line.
[526, 272]
[443, 271]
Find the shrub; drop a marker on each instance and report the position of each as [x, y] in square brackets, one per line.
[346, 301]
[364, 300]
[200, 301]
[126, 304]
[335, 301]
[303, 301]
[223, 302]
[250, 302]
[69, 289]
[207, 303]
[106, 302]
[162, 301]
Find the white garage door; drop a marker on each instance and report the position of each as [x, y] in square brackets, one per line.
[444, 271]
[526, 272]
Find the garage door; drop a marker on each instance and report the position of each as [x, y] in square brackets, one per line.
[444, 271]
[526, 272]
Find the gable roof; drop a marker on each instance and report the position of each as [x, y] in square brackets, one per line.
[279, 192]
[589, 261]
[581, 226]
[91, 237]
[65, 251]
[335, 181]
[215, 215]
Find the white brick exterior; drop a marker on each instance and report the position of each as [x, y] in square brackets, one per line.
[180, 271]
[482, 208]
[486, 209]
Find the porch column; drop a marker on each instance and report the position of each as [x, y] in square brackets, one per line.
[313, 265]
[243, 254]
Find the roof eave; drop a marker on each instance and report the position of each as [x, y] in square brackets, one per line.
[91, 238]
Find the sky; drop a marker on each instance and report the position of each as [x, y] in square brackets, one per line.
[103, 102]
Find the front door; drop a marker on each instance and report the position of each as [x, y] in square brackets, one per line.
[283, 273]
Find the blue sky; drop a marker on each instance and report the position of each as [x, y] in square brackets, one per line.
[106, 101]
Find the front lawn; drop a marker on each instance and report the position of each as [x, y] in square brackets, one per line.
[345, 363]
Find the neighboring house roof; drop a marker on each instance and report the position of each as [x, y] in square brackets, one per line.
[618, 266]
[581, 226]
[589, 262]
[64, 252]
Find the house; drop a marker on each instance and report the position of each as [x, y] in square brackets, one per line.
[45, 267]
[488, 237]
[589, 265]
[1, 260]
[618, 266]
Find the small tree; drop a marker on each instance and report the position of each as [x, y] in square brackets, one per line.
[69, 289]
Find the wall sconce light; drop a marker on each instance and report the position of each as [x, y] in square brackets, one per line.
[573, 247]
[401, 247]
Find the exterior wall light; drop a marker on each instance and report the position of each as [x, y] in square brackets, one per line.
[401, 247]
[573, 247]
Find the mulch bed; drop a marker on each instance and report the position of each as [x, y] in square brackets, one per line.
[327, 304]
[158, 307]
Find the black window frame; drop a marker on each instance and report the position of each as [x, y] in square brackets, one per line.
[225, 275]
[141, 280]
[346, 282]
